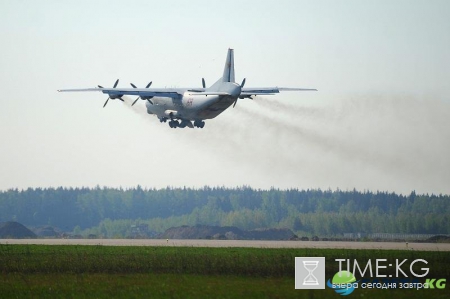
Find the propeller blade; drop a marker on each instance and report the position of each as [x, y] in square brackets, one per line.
[134, 86]
[121, 99]
[243, 83]
[100, 86]
[150, 101]
[135, 101]
[106, 102]
[115, 84]
[149, 84]
[203, 83]
[235, 102]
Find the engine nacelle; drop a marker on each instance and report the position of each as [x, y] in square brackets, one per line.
[171, 113]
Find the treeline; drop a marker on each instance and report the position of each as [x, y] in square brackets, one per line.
[111, 212]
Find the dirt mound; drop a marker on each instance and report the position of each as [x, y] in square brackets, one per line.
[270, 234]
[439, 239]
[15, 230]
[226, 233]
[201, 232]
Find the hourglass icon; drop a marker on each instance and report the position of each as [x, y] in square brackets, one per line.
[310, 279]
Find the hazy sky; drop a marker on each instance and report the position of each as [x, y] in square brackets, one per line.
[380, 120]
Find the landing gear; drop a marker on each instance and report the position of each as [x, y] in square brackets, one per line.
[163, 119]
[174, 124]
[184, 123]
[199, 123]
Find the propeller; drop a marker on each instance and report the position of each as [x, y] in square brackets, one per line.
[113, 97]
[242, 86]
[144, 98]
[203, 83]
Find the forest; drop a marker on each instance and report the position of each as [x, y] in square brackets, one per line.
[111, 212]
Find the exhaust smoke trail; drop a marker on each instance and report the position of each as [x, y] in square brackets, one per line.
[320, 141]
[142, 112]
[403, 139]
[368, 143]
[279, 106]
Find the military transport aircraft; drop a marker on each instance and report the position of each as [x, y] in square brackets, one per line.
[189, 107]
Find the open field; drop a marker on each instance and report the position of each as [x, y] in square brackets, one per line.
[237, 243]
[185, 272]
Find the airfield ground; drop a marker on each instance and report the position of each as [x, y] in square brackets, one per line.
[237, 243]
[79, 271]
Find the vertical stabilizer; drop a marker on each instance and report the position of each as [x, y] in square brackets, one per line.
[228, 71]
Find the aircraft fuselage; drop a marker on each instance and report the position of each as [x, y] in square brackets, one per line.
[193, 107]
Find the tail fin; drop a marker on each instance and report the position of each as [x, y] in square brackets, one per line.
[228, 71]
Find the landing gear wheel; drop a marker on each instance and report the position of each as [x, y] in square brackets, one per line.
[199, 123]
[174, 124]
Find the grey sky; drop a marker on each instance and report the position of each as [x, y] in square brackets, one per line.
[380, 121]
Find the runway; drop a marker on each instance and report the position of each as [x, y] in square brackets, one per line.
[236, 243]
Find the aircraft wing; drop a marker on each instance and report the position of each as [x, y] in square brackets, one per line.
[247, 92]
[143, 92]
[177, 92]
[208, 93]
[257, 91]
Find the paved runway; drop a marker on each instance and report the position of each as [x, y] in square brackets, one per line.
[235, 243]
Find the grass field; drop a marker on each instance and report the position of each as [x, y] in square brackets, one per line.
[185, 272]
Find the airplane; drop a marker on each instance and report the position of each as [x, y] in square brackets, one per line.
[190, 107]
